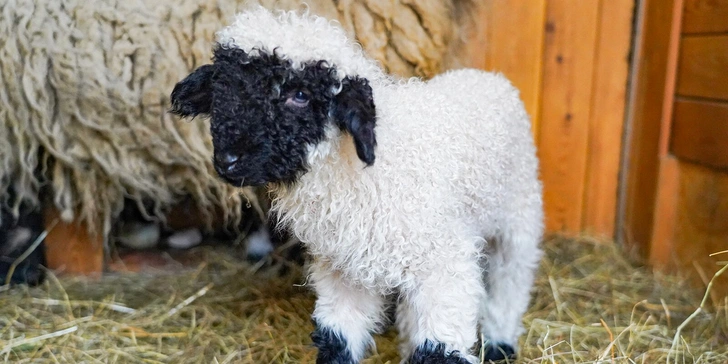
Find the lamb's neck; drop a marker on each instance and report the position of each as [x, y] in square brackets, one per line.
[332, 167]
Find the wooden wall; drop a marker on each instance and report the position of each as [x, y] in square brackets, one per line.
[676, 190]
[574, 62]
[699, 140]
[570, 60]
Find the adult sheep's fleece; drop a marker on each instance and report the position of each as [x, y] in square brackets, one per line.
[84, 93]
[425, 190]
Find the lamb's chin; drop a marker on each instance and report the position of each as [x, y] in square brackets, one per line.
[241, 181]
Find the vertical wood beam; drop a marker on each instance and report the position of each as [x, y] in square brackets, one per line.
[606, 121]
[569, 55]
[663, 225]
[655, 44]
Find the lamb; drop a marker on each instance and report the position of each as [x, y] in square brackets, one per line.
[427, 191]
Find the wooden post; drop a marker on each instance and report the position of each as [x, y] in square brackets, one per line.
[656, 50]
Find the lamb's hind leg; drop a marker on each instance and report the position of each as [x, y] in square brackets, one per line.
[345, 317]
[510, 268]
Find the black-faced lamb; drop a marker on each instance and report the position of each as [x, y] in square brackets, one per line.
[427, 190]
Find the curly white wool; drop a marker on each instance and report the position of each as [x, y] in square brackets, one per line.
[298, 38]
[449, 216]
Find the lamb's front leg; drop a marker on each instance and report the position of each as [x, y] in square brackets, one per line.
[438, 317]
[345, 317]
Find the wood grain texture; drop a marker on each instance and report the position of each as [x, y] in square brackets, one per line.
[606, 121]
[702, 223]
[705, 16]
[71, 249]
[700, 132]
[703, 67]
[663, 225]
[514, 47]
[565, 111]
[655, 45]
[662, 240]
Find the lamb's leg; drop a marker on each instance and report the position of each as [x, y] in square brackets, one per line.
[345, 318]
[438, 318]
[510, 270]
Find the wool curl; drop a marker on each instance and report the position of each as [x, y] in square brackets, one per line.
[84, 94]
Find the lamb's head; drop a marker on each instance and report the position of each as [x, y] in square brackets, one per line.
[271, 98]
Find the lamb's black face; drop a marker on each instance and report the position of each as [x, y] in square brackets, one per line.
[265, 114]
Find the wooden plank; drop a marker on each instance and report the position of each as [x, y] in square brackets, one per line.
[515, 47]
[702, 224]
[663, 232]
[703, 67]
[668, 98]
[657, 45]
[71, 249]
[705, 16]
[566, 90]
[700, 132]
[606, 121]
[663, 225]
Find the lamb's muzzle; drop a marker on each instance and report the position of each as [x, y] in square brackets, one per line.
[425, 190]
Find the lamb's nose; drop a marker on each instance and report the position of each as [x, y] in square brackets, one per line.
[226, 159]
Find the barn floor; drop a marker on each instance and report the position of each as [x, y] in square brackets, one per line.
[590, 305]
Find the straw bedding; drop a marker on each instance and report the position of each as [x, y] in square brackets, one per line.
[85, 84]
[590, 305]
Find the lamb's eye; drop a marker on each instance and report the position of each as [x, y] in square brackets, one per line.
[300, 96]
[298, 99]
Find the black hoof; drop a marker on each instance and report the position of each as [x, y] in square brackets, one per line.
[430, 353]
[498, 352]
[331, 346]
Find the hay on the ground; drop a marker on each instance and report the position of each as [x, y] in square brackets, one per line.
[590, 306]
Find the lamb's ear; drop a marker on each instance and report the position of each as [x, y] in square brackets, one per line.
[355, 113]
[193, 95]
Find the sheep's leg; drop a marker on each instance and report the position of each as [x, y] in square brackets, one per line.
[510, 271]
[345, 318]
[438, 318]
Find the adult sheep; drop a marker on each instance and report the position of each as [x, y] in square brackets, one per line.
[425, 190]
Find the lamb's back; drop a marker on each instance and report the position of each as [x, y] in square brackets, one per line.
[463, 139]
